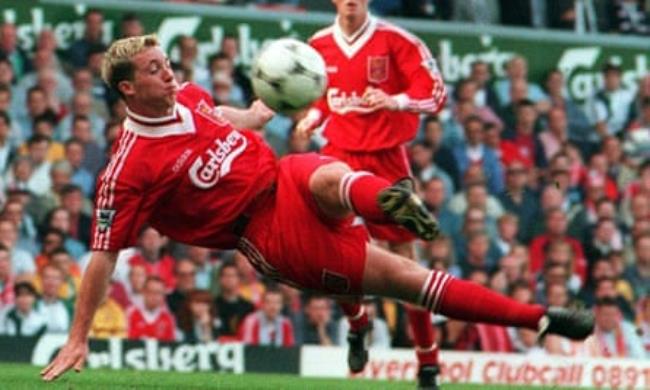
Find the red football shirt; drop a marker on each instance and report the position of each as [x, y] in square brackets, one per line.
[189, 175]
[383, 56]
[159, 324]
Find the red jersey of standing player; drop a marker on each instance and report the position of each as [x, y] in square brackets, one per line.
[382, 56]
[179, 174]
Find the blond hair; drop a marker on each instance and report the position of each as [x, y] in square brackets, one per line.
[117, 65]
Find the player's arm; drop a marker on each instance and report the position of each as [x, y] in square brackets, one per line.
[426, 90]
[93, 288]
[254, 117]
[315, 116]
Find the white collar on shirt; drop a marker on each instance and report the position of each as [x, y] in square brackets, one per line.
[351, 44]
[179, 122]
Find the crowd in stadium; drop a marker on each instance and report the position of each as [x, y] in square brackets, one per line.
[538, 197]
[615, 16]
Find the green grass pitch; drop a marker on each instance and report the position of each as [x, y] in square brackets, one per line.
[22, 376]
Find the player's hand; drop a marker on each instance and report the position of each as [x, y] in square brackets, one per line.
[306, 126]
[260, 114]
[377, 99]
[72, 355]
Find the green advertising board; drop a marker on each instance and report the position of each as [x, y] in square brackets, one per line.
[456, 45]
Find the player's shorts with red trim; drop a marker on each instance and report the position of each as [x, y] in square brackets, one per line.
[289, 239]
[391, 164]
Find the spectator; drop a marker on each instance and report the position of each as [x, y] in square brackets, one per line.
[130, 25]
[152, 319]
[206, 269]
[251, 289]
[152, 255]
[556, 135]
[9, 48]
[14, 210]
[476, 196]
[231, 307]
[479, 253]
[78, 52]
[473, 151]
[7, 150]
[319, 328]
[109, 320]
[517, 71]
[613, 336]
[465, 92]
[230, 46]
[434, 198]
[135, 285]
[440, 255]
[57, 311]
[524, 137]
[82, 106]
[485, 95]
[615, 161]
[70, 272]
[578, 127]
[424, 167]
[51, 241]
[514, 269]
[442, 155]
[198, 320]
[606, 288]
[59, 218]
[610, 107]
[518, 198]
[93, 155]
[185, 276]
[39, 181]
[557, 295]
[222, 65]
[37, 107]
[22, 262]
[6, 279]
[188, 51]
[605, 239]
[553, 197]
[81, 177]
[638, 274]
[508, 229]
[556, 230]
[267, 326]
[22, 319]
[72, 200]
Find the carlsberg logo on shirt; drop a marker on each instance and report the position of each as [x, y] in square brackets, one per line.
[216, 162]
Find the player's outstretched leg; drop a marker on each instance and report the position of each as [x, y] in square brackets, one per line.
[360, 328]
[389, 275]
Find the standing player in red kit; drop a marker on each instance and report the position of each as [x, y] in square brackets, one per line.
[380, 78]
[191, 171]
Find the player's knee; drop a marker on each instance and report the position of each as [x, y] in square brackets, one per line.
[325, 181]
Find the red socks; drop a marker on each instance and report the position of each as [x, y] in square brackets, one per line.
[425, 345]
[356, 315]
[467, 301]
[358, 191]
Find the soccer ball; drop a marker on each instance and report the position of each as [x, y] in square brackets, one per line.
[288, 75]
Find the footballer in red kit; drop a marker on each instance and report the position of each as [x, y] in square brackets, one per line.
[194, 172]
[380, 79]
